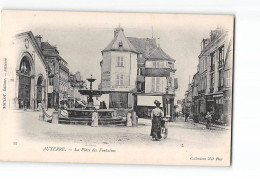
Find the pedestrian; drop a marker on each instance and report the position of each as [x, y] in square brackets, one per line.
[208, 119]
[186, 116]
[156, 117]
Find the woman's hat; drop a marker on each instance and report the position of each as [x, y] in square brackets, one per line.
[156, 102]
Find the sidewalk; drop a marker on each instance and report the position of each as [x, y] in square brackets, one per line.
[217, 126]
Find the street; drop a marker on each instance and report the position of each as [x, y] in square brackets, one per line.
[181, 134]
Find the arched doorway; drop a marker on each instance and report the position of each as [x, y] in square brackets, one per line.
[24, 91]
[39, 89]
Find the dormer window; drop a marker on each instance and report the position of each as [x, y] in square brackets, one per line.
[120, 44]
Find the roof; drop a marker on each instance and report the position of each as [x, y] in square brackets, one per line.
[49, 50]
[159, 54]
[120, 37]
[141, 44]
[35, 45]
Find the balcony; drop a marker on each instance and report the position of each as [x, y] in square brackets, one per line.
[157, 72]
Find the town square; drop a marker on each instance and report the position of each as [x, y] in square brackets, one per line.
[112, 85]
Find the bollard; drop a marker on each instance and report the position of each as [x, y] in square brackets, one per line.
[129, 120]
[55, 117]
[94, 122]
[134, 120]
[41, 116]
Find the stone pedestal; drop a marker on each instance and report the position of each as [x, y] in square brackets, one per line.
[94, 119]
[129, 119]
[55, 117]
[134, 119]
[41, 116]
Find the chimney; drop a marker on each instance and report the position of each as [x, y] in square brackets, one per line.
[117, 30]
[38, 39]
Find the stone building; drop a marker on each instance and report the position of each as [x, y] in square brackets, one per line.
[155, 77]
[75, 84]
[195, 106]
[119, 70]
[29, 73]
[135, 72]
[59, 77]
[215, 76]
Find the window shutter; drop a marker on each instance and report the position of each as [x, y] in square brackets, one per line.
[122, 79]
[153, 84]
[122, 61]
[118, 61]
[117, 79]
[158, 82]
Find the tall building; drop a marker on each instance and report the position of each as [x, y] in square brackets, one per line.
[155, 77]
[214, 76]
[119, 70]
[29, 73]
[136, 71]
[59, 78]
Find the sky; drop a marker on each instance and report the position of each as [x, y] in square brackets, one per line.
[80, 37]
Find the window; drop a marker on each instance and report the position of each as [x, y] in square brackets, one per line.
[156, 64]
[221, 56]
[120, 61]
[211, 82]
[212, 61]
[51, 81]
[120, 79]
[120, 44]
[227, 79]
[221, 80]
[155, 84]
[117, 80]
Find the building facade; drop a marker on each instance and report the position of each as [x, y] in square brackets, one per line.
[135, 72]
[214, 77]
[28, 73]
[59, 77]
[119, 70]
[75, 84]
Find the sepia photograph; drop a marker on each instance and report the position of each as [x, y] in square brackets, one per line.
[116, 88]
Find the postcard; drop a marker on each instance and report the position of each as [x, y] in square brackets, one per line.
[116, 88]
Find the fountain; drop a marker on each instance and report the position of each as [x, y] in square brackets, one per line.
[90, 115]
[90, 92]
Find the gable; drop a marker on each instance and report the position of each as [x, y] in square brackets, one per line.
[120, 39]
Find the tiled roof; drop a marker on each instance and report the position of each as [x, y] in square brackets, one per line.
[141, 44]
[159, 54]
[114, 44]
[48, 49]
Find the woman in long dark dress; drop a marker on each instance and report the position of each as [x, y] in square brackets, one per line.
[156, 117]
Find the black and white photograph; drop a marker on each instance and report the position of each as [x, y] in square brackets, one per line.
[119, 88]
